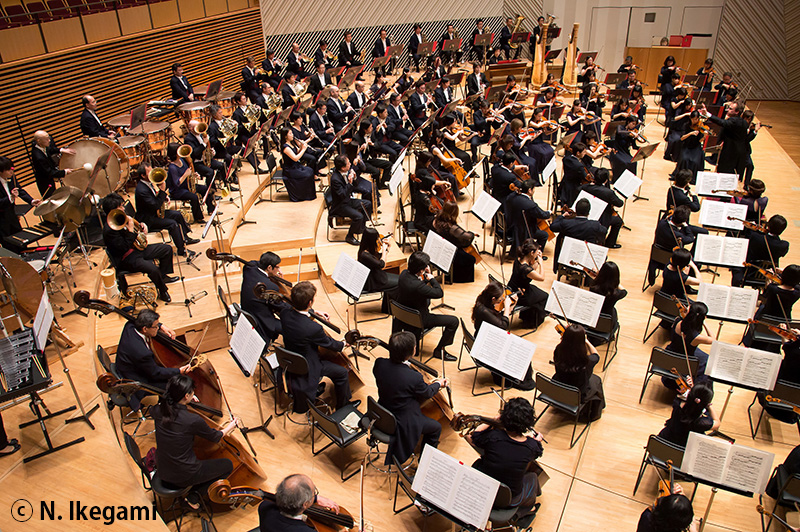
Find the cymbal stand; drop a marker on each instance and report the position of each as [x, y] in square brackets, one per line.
[69, 282]
[218, 231]
[84, 414]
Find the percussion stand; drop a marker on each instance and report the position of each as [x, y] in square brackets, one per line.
[84, 414]
[187, 301]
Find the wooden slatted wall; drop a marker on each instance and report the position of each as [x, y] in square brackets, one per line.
[45, 92]
[791, 17]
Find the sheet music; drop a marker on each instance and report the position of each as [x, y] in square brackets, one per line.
[735, 466]
[715, 297]
[503, 351]
[580, 305]
[247, 345]
[709, 181]
[398, 175]
[705, 457]
[597, 205]
[734, 251]
[725, 361]
[748, 469]
[716, 213]
[440, 250]
[576, 250]
[43, 321]
[743, 365]
[549, 169]
[350, 275]
[485, 207]
[722, 250]
[463, 492]
[627, 184]
[742, 303]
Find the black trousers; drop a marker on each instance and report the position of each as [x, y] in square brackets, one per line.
[450, 324]
[210, 471]
[143, 261]
[341, 386]
[174, 222]
[215, 169]
[376, 166]
[354, 210]
[194, 200]
[613, 232]
[3, 436]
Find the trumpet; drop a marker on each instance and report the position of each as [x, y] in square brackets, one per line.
[185, 152]
[330, 56]
[305, 58]
[117, 219]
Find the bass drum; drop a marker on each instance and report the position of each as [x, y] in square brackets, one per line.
[88, 151]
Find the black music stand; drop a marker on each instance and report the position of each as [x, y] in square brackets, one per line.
[213, 89]
[335, 72]
[452, 46]
[426, 50]
[138, 116]
[617, 94]
[642, 155]
[583, 56]
[431, 85]
[484, 41]
[520, 37]
[615, 78]
[348, 78]
[707, 98]
[447, 109]
[379, 62]
[552, 54]
[493, 94]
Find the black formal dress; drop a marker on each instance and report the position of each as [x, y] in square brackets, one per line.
[265, 313]
[135, 361]
[621, 159]
[532, 297]
[589, 384]
[180, 190]
[676, 429]
[416, 294]
[304, 336]
[506, 460]
[676, 345]
[298, 178]
[45, 168]
[574, 173]
[378, 280]
[401, 389]
[463, 266]
[690, 156]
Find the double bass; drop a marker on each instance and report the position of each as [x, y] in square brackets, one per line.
[168, 352]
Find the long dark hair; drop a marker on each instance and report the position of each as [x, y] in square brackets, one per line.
[607, 279]
[692, 324]
[700, 396]
[571, 355]
[369, 242]
[527, 247]
[487, 296]
[518, 416]
[177, 388]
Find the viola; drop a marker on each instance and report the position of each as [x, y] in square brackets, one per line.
[358, 341]
[770, 276]
[750, 225]
[786, 334]
[168, 352]
[765, 513]
[467, 423]
[262, 292]
[665, 488]
[322, 519]
[588, 271]
[683, 386]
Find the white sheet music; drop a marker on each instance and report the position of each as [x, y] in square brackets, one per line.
[735, 466]
[503, 351]
[43, 320]
[744, 365]
[549, 169]
[579, 305]
[627, 184]
[716, 213]
[710, 181]
[485, 207]
[727, 302]
[398, 175]
[597, 205]
[463, 492]
[247, 345]
[582, 252]
[350, 275]
[721, 250]
[440, 250]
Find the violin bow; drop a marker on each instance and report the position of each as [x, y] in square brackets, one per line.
[230, 414]
[596, 268]
[196, 349]
[774, 269]
[558, 300]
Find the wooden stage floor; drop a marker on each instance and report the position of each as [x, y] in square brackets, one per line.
[591, 483]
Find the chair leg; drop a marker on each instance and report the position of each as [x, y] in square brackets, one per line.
[474, 382]
[641, 472]
[646, 381]
[573, 441]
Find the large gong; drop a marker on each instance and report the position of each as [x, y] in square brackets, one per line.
[27, 283]
[88, 151]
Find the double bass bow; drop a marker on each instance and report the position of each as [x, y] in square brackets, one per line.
[109, 384]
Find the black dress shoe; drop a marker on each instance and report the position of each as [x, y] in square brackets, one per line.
[615, 246]
[190, 240]
[320, 389]
[165, 297]
[169, 279]
[233, 188]
[441, 353]
[354, 404]
[202, 220]
[353, 241]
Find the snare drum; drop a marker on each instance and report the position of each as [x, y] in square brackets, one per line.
[225, 102]
[156, 133]
[120, 123]
[133, 146]
[194, 111]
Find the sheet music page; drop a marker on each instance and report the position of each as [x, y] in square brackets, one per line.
[727, 182]
[566, 296]
[748, 469]
[549, 169]
[734, 251]
[440, 250]
[713, 213]
[580, 305]
[708, 181]
[247, 345]
[708, 249]
[474, 496]
[705, 457]
[742, 303]
[42, 321]
[485, 207]
[726, 361]
[436, 476]
[572, 249]
[350, 275]
[597, 205]
[715, 297]
[627, 184]
[503, 351]
[761, 369]
[734, 210]
[398, 175]
[598, 253]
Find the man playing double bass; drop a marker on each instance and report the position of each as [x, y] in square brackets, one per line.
[293, 496]
[265, 313]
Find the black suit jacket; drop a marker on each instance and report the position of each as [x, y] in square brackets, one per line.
[522, 213]
[179, 91]
[319, 127]
[439, 97]
[336, 113]
[678, 196]
[287, 93]
[197, 146]
[415, 293]
[9, 223]
[314, 85]
[417, 108]
[148, 202]
[414, 42]
[580, 228]
[45, 169]
[667, 235]
[472, 84]
[293, 64]
[505, 36]
[250, 83]
[379, 50]
[735, 144]
[353, 100]
[574, 172]
[501, 178]
[345, 57]
[341, 191]
[607, 195]
[91, 127]
[270, 519]
[214, 135]
[757, 249]
[242, 133]
[264, 312]
[136, 361]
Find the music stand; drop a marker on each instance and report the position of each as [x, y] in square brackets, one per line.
[493, 94]
[457, 78]
[520, 37]
[707, 98]
[431, 85]
[213, 89]
[584, 56]
[449, 108]
[471, 99]
[483, 41]
[335, 72]
[615, 78]
[379, 62]
[551, 55]
[617, 94]
[138, 116]
[611, 128]
[366, 111]
[642, 155]
[691, 79]
[426, 50]
[348, 78]
[324, 94]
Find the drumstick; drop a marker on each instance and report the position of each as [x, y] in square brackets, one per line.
[38, 365]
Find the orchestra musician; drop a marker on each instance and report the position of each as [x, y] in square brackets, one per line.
[44, 157]
[778, 298]
[600, 188]
[765, 248]
[179, 173]
[446, 225]
[149, 200]
[478, 52]
[707, 71]
[680, 110]
[415, 288]
[91, 125]
[362, 153]
[506, 453]
[580, 226]
[418, 104]
[574, 173]
[322, 55]
[528, 267]
[272, 69]
[453, 134]
[249, 82]
[199, 144]
[487, 307]
[789, 372]
[671, 231]
[413, 43]
[302, 133]
[755, 200]
[320, 124]
[668, 95]
[588, 68]
[575, 358]
[693, 413]
[401, 389]
[265, 312]
[476, 82]
[294, 62]
[288, 94]
[319, 80]
[625, 139]
[680, 274]
[379, 49]
[302, 335]
[505, 39]
[680, 192]
[398, 118]
[752, 132]
[523, 215]
[735, 150]
[691, 146]
[668, 70]
[481, 127]
[435, 70]
[180, 86]
[124, 256]
[382, 133]
[443, 95]
[294, 495]
[348, 53]
[686, 335]
[630, 82]
[627, 65]
[339, 112]
[502, 176]
[495, 57]
[344, 203]
[135, 359]
[670, 513]
[374, 258]
[358, 98]
[10, 191]
[448, 57]
[176, 430]
[298, 178]
[724, 87]
[424, 212]
[7, 447]
[607, 284]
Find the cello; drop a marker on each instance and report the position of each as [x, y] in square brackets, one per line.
[168, 352]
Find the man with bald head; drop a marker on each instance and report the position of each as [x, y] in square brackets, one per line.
[358, 98]
[44, 159]
[339, 112]
[294, 495]
[91, 125]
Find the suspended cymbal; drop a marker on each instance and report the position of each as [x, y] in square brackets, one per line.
[45, 207]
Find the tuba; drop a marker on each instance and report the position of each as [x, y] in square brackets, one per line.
[117, 219]
[520, 18]
[156, 177]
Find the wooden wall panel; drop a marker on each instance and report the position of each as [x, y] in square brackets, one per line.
[101, 26]
[190, 10]
[164, 14]
[791, 17]
[63, 34]
[135, 20]
[16, 43]
[215, 7]
[44, 92]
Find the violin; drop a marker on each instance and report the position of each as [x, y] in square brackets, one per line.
[734, 193]
[588, 271]
[170, 353]
[770, 276]
[500, 305]
[786, 334]
[262, 292]
[765, 513]
[750, 225]
[683, 386]
[321, 518]
[683, 309]
[358, 341]
[467, 423]
[795, 408]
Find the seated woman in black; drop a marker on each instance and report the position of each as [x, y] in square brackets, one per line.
[528, 267]
[778, 300]
[575, 359]
[624, 140]
[369, 256]
[607, 284]
[688, 333]
[487, 309]
[672, 513]
[446, 225]
[179, 172]
[789, 372]
[176, 428]
[755, 200]
[436, 147]
[537, 147]
[680, 272]
[506, 453]
[692, 414]
[297, 177]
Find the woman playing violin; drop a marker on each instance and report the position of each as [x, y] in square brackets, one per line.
[293, 496]
[789, 372]
[680, 109]
[575, 358]
[575, 118]
[755, 200]
[372, 253]
[686, 336]
[537, 147]
[453, 134]
[778, 300]
[671, 513]
[176, 428]
[690, 153]
[692, 414]
[437, 147]
[765, 246]
[446, 225]
[528, 267]
[607, 285]
[506, 452]
[588, 68]
[707, 70]
[667, 70]
[521, 148]
[624, 141]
